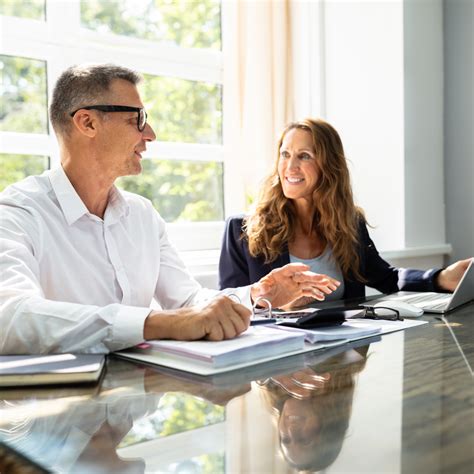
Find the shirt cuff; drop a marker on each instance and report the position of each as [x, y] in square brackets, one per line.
[243, 294]
[127, 330]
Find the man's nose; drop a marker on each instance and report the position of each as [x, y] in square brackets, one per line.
[148, 133]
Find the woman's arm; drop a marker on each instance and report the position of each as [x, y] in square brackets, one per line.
[387, 278]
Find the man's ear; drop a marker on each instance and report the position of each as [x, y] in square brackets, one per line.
[86, 121]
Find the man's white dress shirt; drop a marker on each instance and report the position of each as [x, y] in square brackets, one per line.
[72, 282]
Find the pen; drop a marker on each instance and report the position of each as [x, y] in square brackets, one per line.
[257, 322]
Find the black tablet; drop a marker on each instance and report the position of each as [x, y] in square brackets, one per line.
[322, 317]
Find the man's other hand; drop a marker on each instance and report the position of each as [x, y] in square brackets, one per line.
[222, 318]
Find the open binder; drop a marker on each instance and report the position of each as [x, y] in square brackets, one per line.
[181, 355]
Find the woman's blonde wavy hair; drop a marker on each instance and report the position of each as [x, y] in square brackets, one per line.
[272, 225]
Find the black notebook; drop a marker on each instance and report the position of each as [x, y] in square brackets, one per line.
[16, 370]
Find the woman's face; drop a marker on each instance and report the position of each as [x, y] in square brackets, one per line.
[299, 427]
[297, 166]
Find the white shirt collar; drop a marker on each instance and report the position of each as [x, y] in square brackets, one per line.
[72, 206]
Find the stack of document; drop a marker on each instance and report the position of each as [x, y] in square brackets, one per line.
[256, 345]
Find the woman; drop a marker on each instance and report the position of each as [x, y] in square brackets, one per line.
[306, 213]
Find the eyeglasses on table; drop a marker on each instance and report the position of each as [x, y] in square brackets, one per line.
[380, 312]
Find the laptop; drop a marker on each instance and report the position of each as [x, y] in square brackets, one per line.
[432, 302]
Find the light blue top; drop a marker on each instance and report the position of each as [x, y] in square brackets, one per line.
[326, 265]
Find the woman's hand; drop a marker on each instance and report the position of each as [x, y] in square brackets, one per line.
[449, 278]
[287, 284]
[299, 303]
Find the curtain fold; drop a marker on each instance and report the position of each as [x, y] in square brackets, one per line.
[260, 85]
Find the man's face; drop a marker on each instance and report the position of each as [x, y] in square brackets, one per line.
[120, 142]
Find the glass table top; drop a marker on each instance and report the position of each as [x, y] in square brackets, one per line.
[403, 402]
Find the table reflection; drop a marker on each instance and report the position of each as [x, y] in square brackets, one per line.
[81, 433]
[403, 404]
[312, 408]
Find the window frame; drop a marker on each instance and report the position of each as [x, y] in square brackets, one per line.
[61, 41]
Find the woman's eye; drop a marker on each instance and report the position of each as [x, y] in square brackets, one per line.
[305, 156]
[284, 155]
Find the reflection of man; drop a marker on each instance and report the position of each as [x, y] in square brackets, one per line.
[82, 434]
[81, 261]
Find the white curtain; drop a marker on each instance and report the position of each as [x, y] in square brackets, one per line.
[258, 86]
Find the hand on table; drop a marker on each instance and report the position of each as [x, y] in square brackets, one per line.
[220, 319]
[288, 284]
[449, 278]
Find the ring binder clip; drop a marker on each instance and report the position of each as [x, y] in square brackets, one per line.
[262, 312]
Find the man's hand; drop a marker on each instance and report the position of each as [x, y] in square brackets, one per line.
[287, 284]
[220, 319]
[449, 278]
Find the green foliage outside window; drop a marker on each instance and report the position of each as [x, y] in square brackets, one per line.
[185, 23]
[180, 190]
[23, 105]
[183, 111]
[14, 168]
[179, 110]
[34, 9]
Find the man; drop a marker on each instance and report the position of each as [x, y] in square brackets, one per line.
[81, 261]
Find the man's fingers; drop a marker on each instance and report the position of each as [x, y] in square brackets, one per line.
[216, 333]
[243, 312]
[240, 318]
[240, 324]
[227, 319]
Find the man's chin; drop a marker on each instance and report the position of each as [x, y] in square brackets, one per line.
[135, 169]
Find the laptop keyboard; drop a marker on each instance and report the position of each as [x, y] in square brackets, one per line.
[435, 301]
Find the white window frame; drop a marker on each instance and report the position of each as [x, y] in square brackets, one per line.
[61, 42]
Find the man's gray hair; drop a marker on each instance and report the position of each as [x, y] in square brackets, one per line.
[83, 85]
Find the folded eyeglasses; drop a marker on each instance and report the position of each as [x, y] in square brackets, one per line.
[380, 312]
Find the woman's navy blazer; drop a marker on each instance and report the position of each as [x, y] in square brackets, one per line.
[238, 268]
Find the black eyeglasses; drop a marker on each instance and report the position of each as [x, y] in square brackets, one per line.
[141, 117]
[381, 312]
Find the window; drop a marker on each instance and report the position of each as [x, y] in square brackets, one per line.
[23, 8]
[176, 45]
[16, 167]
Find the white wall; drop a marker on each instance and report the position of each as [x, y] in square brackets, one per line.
[384, 93]
[423, 100]
[364, 101]
[459, 125]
